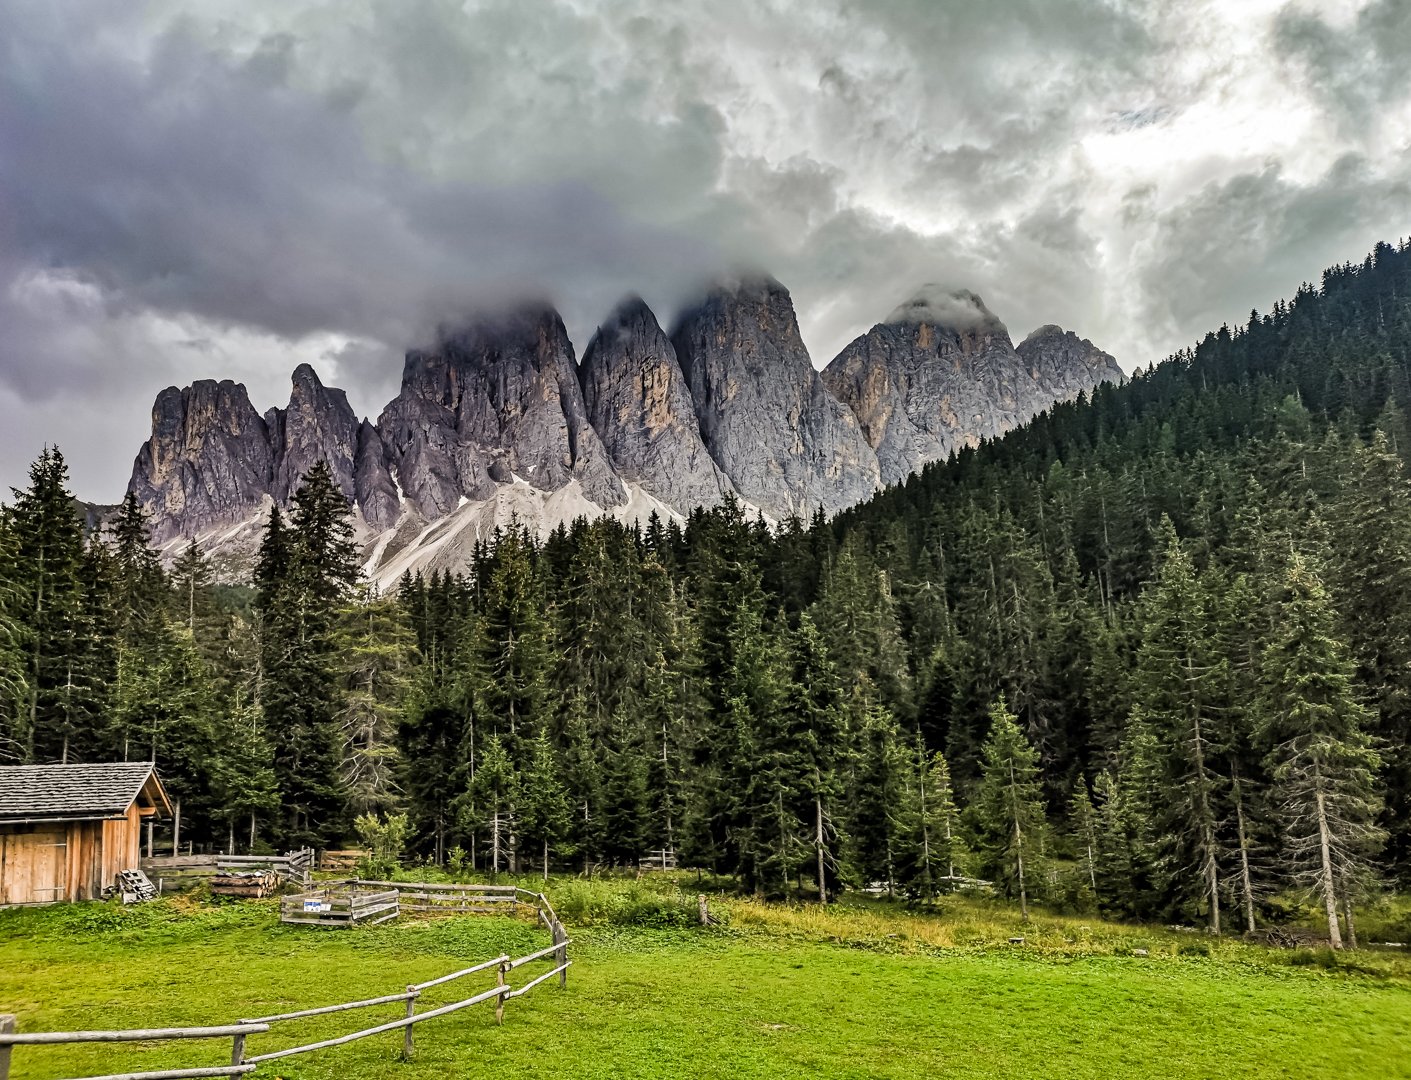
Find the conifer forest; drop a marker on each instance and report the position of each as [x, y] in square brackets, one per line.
[1150, 653]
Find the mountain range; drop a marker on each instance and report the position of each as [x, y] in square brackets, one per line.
[498, 419]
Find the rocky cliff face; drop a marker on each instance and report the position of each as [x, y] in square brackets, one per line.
[208, 461]
[1065, 365]
[497, 400]
[319, 423]
[498, 423]
[637, 400]
[942, 373]
[770, 424]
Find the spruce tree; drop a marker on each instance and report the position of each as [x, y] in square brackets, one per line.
[1007, 813]
[544, 814]
[1323, 764]
[49, 554]
[375, 657]
[1180, 690]
[494, 796]
[303, 573]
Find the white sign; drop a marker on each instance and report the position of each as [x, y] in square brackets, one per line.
[317, 906]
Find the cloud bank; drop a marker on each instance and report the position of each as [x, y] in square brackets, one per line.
[225, 189]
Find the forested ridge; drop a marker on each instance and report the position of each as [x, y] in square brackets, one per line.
[1151, 652]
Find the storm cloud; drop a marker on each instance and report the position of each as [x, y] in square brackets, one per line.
[225, 189]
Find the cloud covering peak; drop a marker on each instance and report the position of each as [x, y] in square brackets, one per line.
[226, 188]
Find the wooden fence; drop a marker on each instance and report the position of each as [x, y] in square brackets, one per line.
[242, 1063]
[339, 860]
[336, 907]
[169, 873]
[450, 898]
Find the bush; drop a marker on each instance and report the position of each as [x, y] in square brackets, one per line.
[383, 841]
[599, 903]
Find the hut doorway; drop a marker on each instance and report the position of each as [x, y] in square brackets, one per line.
[33, 866]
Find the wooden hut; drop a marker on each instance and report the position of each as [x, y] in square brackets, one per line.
[66, 830]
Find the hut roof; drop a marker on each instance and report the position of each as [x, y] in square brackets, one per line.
[76, 792]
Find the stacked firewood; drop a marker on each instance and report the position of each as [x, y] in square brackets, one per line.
[248, 883]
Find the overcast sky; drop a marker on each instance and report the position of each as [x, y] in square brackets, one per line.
[226, 189]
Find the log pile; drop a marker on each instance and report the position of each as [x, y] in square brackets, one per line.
[253, 884]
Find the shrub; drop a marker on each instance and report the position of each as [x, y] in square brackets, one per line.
[383, 841]
[598, 903]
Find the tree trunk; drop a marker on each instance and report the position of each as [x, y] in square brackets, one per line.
[495, 845]
[818, 841]
[1351, 926]
[925, 831]
[176, 830]
[1018, 842]
[1244, 870]
[252, 831]
[1329, 900]
[232, 837]
[546, 860]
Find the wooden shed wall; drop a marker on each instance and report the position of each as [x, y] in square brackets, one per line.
[76, 860]
[122, 844]
[32, 863]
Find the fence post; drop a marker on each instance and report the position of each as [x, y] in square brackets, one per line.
[237, 1055]
[561, 956]
[500, 999]
[411, 1011]
[7, 1027]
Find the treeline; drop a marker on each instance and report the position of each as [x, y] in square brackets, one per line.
[1151, 652]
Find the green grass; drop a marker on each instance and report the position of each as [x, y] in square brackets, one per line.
[777, 992]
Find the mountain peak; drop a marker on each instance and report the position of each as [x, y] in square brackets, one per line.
[954, 309]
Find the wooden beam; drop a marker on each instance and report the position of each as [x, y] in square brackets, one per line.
[36, 1038]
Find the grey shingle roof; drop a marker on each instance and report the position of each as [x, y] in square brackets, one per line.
[67, 791]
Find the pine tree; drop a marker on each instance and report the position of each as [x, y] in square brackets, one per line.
[817, 719]
[303, 573]
[1324, 767]
[931, 844]
[141, 584]
[1085, 824]
[509, 663]
[545, 815]
[495, 793]
[375, 655]
[1180, 689]
[878, 795]
[14, 688]
[1007, 813]
[1372, 576]
[49, 554]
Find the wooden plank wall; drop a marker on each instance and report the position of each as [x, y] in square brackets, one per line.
[122, 844]
[32, 864]
[85, 861]
[47, 863]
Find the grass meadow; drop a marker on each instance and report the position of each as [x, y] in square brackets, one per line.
[861, 989]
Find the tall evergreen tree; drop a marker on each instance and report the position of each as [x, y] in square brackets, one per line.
[303, 573]
[1008, 815]
[1324, 767]
[49, 555]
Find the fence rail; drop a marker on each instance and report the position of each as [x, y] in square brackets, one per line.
[242, 1064]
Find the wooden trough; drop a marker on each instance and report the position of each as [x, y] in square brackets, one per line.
[339, 906]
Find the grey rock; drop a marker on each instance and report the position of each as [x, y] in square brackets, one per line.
[786, 443]
[942, 373]
[1065, 365]
[637, 400]
[319, 424]
[497, 399]
[208, 461]
[373, 488]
